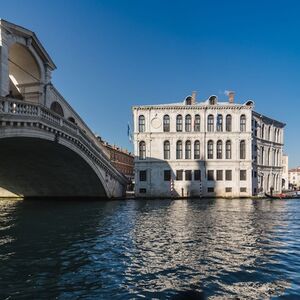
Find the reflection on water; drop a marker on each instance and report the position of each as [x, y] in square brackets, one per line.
[149, 249]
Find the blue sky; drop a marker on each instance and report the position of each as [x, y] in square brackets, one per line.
[111, 55]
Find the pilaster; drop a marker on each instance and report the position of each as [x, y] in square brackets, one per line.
[4, 71]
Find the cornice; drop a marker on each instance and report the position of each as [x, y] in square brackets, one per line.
[269, 120]
[193, 107]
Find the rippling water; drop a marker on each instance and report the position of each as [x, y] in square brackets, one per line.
[150, 249]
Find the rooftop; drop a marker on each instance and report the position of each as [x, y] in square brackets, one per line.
[190, 101]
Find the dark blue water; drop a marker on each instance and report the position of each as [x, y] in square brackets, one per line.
[150, 249]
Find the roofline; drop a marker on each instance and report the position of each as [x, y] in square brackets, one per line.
[184, 106]
[36, 42]
[270, 120]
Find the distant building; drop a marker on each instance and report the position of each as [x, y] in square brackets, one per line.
[285, 172]
[120, 158]
[210, 148]
[294, 178]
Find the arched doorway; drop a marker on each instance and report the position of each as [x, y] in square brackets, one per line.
[268, 183]
[283, 183]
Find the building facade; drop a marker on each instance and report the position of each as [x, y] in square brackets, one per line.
[210, 148]
[294, 178]
[122, 159]
[285, 172]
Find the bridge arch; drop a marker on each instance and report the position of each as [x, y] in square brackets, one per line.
[35, 167]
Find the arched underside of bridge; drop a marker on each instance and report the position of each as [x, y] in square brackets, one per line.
[33, 167]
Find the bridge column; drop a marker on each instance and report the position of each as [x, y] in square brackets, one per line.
[4, 72]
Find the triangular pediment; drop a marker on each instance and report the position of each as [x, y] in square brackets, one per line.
[36, 44]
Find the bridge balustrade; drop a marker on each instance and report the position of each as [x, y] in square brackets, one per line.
[18, 111]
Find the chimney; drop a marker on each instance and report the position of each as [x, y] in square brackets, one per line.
[231, 96]
[194, 98]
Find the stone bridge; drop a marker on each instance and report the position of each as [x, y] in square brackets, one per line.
[46, 149]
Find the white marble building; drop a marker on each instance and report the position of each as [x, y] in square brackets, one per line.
[294, 178]
[208, 148]
[285, 172]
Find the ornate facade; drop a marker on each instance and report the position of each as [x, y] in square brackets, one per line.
[209, 148]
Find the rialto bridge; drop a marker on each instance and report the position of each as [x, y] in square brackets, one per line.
[46, 149]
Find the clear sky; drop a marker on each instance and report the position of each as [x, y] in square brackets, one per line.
[113, 54]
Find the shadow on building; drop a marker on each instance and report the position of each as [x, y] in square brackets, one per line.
[155, 178]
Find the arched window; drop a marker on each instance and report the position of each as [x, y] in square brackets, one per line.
[188, 123]
[269, 133]
[242, 149]
[166, 150]
[179, 150]
[262, 131]
[219, 123]
[141, 123]
[71, 119]
[210, 123]
[212, 100]
[179, 123]
[262, 155]
[269, 157]
[188, 100]
[142, 150]
[219, 150]
[210, 149]
[228, 123]
[197, 123]
[166, 123]
[278, 136]
[228, 149]
[188, 150]
[197, 150]
[57, 108]
[243, 123]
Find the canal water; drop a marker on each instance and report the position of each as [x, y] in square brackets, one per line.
[150, 249]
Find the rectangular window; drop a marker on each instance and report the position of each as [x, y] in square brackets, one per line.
[143, 191]
[219, 175]
[167, 175]
[210, 190]
[243, 175]
[197, 175]
[143, 175]
[179, 175]
[210, 150]
[210, 175]
[243, 190]
[228, 175]
[188, 175]
[166, 127]
[228, 189]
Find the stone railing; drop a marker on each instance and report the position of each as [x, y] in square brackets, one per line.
[20, 112]
[56, 96]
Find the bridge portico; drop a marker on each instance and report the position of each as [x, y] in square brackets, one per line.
[48, 149]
